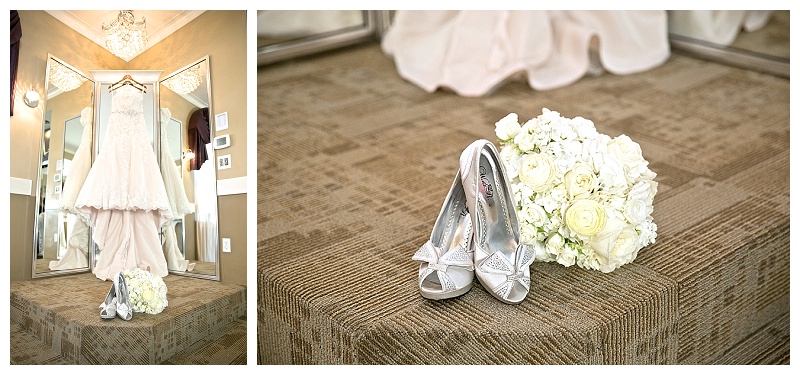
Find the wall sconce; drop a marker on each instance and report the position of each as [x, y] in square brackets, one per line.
[188, 154]
[31, 99]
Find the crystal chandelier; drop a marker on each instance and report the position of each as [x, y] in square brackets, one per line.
[124, 36]
[185, 81]
[65, 78]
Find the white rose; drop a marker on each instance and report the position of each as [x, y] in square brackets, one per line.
[534, 214]
[555, 243]
[537, 172]
[508, 127]
[525, 140]
[615, 245]
[585, 217]
[527, 234]
[636, 211]
[644, 191]
[625, 149]
[580, 180]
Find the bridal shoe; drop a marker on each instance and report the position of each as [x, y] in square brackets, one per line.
[446, 268]
[124, 307]
[501, 263]
[108, 309]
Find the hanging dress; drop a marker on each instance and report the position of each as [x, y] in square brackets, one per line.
[178, 202]
[77, 254]
[123, 198]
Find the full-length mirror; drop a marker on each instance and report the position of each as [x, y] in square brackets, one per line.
[62, 238]
[284, 34]
[190, 242]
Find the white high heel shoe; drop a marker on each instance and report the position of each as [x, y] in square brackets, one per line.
[446, 269]
[108, 309]
[124, 307]
[502, 264]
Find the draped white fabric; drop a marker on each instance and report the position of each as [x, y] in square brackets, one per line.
[205, 182]
[472, 52]
[175, 259]
[77, 250]
[178, 202]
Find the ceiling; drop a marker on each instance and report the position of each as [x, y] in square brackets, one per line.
[160, 23]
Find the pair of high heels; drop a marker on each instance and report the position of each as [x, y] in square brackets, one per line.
[118, 300]
[476, 234]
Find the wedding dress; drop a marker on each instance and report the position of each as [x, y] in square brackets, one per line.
[475, 52]
[77, 254]
[178, 202]
[124, 198]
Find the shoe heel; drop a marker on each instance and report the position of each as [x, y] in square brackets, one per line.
[108, 309]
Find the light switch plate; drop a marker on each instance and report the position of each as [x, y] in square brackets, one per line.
[226, 245]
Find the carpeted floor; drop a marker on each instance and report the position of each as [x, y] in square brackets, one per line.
[353, 165]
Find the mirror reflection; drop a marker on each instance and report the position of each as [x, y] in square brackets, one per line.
[62, 238]
[284, 34]
[187, 163]
[280, 26]
[757, 39]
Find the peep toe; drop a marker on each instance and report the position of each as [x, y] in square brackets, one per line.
[446, 268]
[108, 309]
[502, 264]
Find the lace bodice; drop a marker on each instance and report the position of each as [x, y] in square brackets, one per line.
[126, 99]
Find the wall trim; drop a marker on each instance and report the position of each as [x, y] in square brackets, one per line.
[232, 186]
[21, 186]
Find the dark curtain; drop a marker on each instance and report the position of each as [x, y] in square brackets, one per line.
[16, 35]
[199, 136]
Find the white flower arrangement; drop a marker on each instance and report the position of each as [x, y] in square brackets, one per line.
[582, 198]
[147, 291]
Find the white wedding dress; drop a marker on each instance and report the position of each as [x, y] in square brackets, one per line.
[77, 254]
[124, 198]
[473, 52]
[178, 202]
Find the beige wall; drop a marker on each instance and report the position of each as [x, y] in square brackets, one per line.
[25, 127]
[222, 35]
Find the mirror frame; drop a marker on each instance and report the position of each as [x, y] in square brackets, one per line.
[375, 21]
[37, 204]
[212, 158]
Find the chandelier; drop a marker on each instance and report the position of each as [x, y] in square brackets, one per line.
[65, 78]
[124, 36]
[185, 81]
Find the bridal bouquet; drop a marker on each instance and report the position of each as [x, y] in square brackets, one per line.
[582, 198]
[148, 292]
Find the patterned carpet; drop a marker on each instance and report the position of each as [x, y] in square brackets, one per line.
[56, 320]
[354, 163]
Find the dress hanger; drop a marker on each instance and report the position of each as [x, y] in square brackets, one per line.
[127, 80]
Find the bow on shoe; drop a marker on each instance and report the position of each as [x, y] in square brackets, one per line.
[498, 264]
[456, 257]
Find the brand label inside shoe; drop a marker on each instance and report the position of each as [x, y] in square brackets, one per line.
[486, 188]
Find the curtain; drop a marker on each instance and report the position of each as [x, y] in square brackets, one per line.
[199, 137]
[16, 35]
